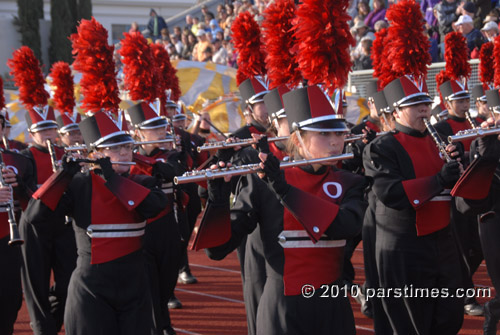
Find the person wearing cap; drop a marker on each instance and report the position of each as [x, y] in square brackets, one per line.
[486, 206]
[12, 145]
[457, 97]
[479, 96]
[490, 30]
[475, 39]
[110, 208]
[252, 92]
[414, 244]
[199, 48]
[50, 247]
[331, 209]
[162, 242]
[68, 128]
[17, 173]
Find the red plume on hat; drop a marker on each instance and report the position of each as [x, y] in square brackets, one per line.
[62, 79]
[496, 61]
[381, 67]
[486, 65]
[324, 39]
[2, 98]
[281, 60]
[94, 59]
[247, 42]
[456, 56]
[28, 77]
[408, 45]
[139, 67]
[166, 72]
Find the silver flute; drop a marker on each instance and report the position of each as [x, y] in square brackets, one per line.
[239, 143]
[209, 174]
[473, 133]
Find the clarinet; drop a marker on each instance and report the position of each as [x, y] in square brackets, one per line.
[15, 238]
[439, 142]
[6, 144]
[52, 153]
[469, 119]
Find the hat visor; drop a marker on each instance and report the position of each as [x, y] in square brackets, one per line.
[153, 123]
[332, 125]
[115, 139]
[43, 125]
[259, 97]
[458, 96]
[68, 128]
[415, 100]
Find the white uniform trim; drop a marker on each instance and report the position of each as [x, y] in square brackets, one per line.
[116, 230]
[285, 235]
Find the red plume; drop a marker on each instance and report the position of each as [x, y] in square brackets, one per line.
[2, 98]
[456, 56]
[62, 79]
[246, 41]
[381, 67]
[408, 46]
[486, 66]
[441, 78]
[94, 59]
[160, 57]
[28, 77]
[166, 74]
[138, 68]
[281, 61]
[496, 61]
[324, 39]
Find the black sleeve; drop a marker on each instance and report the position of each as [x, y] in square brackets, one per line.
[155, 201]
[244, 216]
[349, 219]
[381, 164]
[476, 207]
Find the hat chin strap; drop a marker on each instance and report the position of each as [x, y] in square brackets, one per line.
[301, 142]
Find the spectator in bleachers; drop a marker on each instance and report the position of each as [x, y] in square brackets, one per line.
[165, 35]
[427, 7]
[222, 19]
[206, 55]
[203, 43]
[188, 41]
[379, 25]
[176, 42]
[352, 10]
[492, 16]
[219, 35]
[178, 32]
[220, 55]
[360, 32]
[205, 12]
[196, 23]
[214, 29]
[207, 19]
[134, 28]
[230, 10]
[378, 13]
[363, 10]
[475, 39]
[189, 22]
[364, 62]
[446, 13]
[156, 24]
[490, 30]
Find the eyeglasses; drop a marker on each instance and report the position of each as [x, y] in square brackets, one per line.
[118, 148]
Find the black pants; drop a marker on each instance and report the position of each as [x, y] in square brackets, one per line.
[47, 247]
[193, 209]
[162, 249]
[381, 323]
[427, 262]
[296, 315]
[11, 295]
[112, 298]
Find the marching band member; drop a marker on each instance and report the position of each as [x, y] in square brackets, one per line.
[162, 244]
[18, 175]
[304, 216]
[50, 247]
[414, 244]
[109, 207]
[488, 152]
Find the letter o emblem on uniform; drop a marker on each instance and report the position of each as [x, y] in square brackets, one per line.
[338, 189]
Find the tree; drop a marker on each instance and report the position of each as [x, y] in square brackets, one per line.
[60, 30]
[84, 9]
[28, 14]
